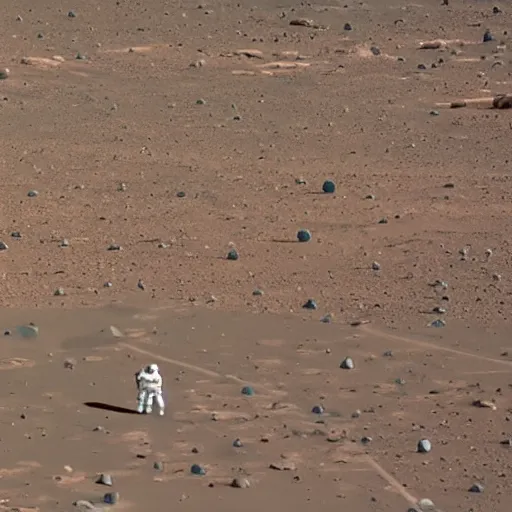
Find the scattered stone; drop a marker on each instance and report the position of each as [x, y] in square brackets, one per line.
[32, 193]
[3, 246]
[80, 56]
[424, 446]
[438, 323]
[233, 255]
[370, 196]
[317, 409]
[196, 469]
[283, 466]
[303, 22]
[388, 353]
[121, 187]
[383, 220]
[347, 26]
[366, 440]
[4, 73]
[426, 505]
[114, 247]
[303, 235]
[247, 391]
[347, 364]
[326, 319]
[356, 414]
[237, 443]
[506, 442]
[16, 235]
[329, 187]
[70, 364]
[310, 304]
[181, 194]
[439, 310]
[99, 428]
[487, 37]
[141, 285]
[158, 466]
[71, 14]
[104, 479]
[375, 50]
[476, 488]
[59, 292]
[375, 266]
[111, 498]
[28, 331]
[84, 505]
[485, 404]
[240, 483]
[434, 113]
[64, 243]
[257, 292]
[200, 102]
[107, 284]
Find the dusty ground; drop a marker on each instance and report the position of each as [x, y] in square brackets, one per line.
[184, 129]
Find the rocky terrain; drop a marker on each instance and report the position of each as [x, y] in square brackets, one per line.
[248, 195]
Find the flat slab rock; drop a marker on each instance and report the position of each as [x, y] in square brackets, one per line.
[283, 466]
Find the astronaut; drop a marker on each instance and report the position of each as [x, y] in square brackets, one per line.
[149, 386]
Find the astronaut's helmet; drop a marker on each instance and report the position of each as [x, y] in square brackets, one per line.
[152, 368]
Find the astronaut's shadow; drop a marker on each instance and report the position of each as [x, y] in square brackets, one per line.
[109, 407]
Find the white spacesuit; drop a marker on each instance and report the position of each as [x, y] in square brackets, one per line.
[149, 385]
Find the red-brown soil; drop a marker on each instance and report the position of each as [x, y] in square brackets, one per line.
[185, 130]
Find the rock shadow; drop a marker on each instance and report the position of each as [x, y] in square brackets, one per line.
[109, 407]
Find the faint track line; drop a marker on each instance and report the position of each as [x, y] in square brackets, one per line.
[432, 346]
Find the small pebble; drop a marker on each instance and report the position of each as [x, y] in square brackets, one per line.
[196, 469]
[237, 443]
[347, 364]
[3, 246]
[257, 292]
[111, 498]
[438, 323]
[476, 488]
[71, 14]
[33, 193]
[240, 483]
[375, 266]
[105, 479]
[317, 409]
[487, 37]
[247, 391]
[59, 292]
[158, 466]
[310, 304]
[303, 235]
[114, 247]
[424, 446]
[233, 255]
[375, 50]
[4, 73]
[64, 243]
[347, 26]
[329, 187]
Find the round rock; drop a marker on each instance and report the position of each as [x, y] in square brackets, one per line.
[329, 187]
[303, 235]
[424, 446]
[196, 469]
